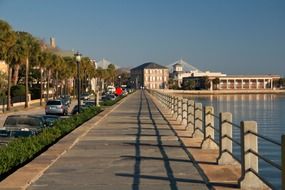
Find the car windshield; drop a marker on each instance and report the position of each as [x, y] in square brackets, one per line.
[53, 103]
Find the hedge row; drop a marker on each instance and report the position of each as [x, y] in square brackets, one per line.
[111, 102]
[22, 150]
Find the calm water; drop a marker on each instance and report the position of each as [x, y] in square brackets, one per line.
[268, 110]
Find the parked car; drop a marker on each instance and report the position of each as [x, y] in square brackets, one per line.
[108, 97]
[85, 96]
[50, 119]
[89, 103]
[75, 109]
[22, 126]
[66, 100]
[57, 107]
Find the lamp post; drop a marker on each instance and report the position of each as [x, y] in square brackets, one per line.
[78, 59]
[119, 80]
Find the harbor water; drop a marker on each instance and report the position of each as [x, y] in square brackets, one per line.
[269, 112]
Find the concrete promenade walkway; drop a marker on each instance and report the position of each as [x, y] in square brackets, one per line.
[132, 148]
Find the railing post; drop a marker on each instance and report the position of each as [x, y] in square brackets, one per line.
[190, 116]
[209, 136]
[168, 102]
[175, 107]
[179, 115]
[249, 180]
[198, 121]
[184, 112]
[283, 161]
[172, 105]
[226, 145]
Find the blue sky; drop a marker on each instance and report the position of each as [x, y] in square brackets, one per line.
[231, 36]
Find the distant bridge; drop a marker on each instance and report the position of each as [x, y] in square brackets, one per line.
[186, 66]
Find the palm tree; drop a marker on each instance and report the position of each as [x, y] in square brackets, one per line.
[43, 62]
[48, 66]
[27, 45]
[7, 41]
[68, 71]
[111, 70]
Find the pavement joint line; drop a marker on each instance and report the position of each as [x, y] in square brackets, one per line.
[35, 177]
[96, 123]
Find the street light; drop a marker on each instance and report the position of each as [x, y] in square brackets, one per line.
[119, 80]
[78, 59]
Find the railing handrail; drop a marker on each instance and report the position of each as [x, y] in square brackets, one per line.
[264, 138]
[265, 159]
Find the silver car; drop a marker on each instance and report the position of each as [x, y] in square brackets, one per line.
[57, 107]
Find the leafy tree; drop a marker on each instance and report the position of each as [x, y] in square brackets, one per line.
[216, 82]
[206, 83]
[282, 82]
[173, 84]
[188, 85]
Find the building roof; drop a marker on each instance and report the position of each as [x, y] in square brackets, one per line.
[250, 76]
[149, 65]
[177, 64]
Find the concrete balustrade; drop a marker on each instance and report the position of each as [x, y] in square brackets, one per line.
[226, 144]
[172, 105]
[184, 112]
[191, 116]
[249, 179]
[200, 122]
[209, 135]
[175, 113]
[179, 111]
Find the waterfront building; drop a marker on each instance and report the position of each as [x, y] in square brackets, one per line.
[233, 82]
[150, 75]
[179, 74]
[247, 82]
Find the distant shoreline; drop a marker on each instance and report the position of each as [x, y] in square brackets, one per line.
[218, 92]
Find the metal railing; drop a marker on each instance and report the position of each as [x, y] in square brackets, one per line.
[200, 121]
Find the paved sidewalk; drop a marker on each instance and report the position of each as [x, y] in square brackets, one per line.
[132, 148]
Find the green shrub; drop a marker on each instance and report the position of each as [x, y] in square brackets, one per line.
[111, 102]
[18, 90]
[21, 150]
[35, 93]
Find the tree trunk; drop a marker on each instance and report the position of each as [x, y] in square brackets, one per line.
[15, 74]
[9, 88]
[41, 88]
[27, 83]
[48, 73]
[56, 85]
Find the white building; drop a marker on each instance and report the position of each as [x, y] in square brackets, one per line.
[178, 73]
